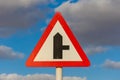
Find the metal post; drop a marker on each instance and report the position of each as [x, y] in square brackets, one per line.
[58, 73]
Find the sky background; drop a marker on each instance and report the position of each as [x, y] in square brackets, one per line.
[95, 23]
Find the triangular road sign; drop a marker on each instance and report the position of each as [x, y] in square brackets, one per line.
[58, 47]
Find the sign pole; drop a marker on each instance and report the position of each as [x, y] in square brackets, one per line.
[58, 73]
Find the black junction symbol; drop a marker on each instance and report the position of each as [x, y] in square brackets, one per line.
[58, 46]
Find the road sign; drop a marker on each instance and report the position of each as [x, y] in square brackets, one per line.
[57, 47]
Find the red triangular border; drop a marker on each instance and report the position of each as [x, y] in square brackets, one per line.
[84, 63]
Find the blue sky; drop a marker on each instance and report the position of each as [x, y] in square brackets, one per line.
[95, 23]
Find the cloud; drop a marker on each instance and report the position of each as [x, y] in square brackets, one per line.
[8, 53]
[74, 78]
[19, 3]
[95, 50]
[111, 64]
[17, 15]
[35, 77]
[95, 22]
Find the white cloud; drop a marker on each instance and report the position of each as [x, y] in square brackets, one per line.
[35, 77]
[95, 49]
[8, 53]
[17, 15]
[19, 3]
[95, 22]
[111, 64]
[74, 78]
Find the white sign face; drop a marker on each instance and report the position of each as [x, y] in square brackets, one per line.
[46, 53]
